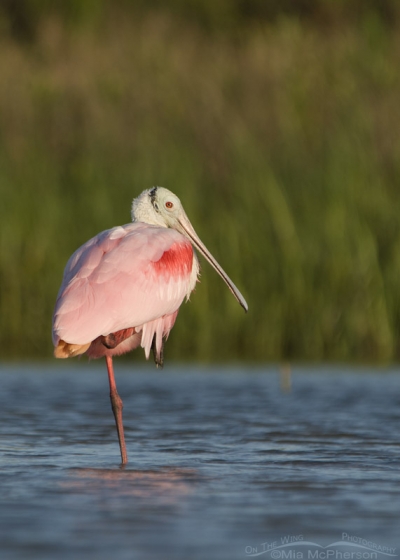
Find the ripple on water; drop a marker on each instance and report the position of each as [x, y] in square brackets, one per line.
[219, 460]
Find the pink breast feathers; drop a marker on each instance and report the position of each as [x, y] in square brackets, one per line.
[177, 261]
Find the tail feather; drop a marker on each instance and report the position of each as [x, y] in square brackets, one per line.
[66, 350]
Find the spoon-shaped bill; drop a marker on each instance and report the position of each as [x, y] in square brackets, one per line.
[185, 227]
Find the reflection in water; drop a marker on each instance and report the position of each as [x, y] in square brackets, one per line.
[220, 461]
[166, 485]
[286, 377]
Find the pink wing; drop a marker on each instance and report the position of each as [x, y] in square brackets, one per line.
[124, 277]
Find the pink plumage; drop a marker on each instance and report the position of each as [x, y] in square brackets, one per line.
[124, 287]
[129, 277]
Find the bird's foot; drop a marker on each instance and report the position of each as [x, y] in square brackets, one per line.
[113, 339]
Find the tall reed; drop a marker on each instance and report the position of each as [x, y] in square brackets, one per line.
[282, 144]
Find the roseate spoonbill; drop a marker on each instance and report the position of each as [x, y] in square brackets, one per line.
[124, 287]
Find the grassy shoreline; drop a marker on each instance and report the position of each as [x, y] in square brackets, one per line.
[283, 148]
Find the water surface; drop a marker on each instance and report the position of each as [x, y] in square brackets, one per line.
[221, 461]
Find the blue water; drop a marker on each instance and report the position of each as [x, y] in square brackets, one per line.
[221, 461]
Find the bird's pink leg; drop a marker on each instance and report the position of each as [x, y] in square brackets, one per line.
[117, 406]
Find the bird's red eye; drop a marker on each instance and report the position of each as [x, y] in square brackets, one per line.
[169, 204]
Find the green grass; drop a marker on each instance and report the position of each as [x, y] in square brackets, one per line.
[283, 146]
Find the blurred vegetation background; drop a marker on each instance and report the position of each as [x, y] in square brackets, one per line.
[277, 123]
